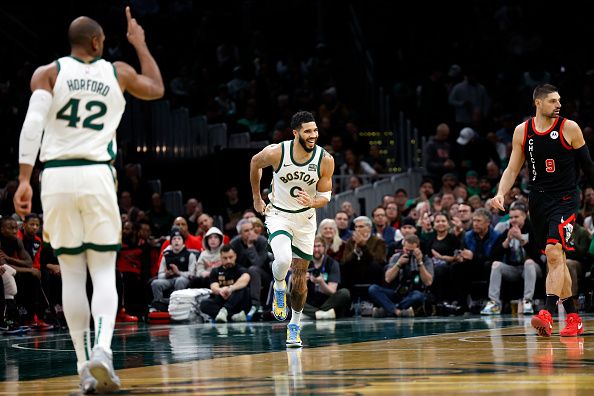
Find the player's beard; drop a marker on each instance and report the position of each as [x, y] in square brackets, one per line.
[553, 114]
[303, 144]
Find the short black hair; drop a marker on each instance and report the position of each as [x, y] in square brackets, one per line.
[543, 90]
[5, 219]
[226, 248]
[31, 216]
[301, 117]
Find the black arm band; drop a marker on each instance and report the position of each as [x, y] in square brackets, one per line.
[583, 156]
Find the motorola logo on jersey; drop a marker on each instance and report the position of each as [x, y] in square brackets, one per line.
[554, 135]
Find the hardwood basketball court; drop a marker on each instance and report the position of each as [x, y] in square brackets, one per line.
[423, 356]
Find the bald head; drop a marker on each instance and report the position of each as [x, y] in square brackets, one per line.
[82, 31]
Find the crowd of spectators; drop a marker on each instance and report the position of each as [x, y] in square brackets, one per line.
[439, 250]
[432, 251]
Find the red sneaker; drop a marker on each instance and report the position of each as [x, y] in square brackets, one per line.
[123, 317]
[573, 326]
[543, 323]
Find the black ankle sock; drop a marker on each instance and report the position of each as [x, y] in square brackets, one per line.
[551, 303]
[569, 305]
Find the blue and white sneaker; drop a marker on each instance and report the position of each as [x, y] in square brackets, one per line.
[279, 304]
[492, 308]
[294, 336]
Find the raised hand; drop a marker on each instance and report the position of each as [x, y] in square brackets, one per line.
[135, 31]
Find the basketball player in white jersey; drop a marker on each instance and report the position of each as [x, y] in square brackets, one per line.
[76, 105]
[301, 182]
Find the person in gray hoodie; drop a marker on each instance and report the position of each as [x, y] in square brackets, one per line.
[210, 258]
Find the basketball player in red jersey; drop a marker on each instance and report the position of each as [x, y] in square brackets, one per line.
[551, 145]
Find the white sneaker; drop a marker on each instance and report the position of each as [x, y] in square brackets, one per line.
[88, 383]
[326, 315]
[222, 316]
[527, 307]
[492, 308]
[239, 317]
[101, 368]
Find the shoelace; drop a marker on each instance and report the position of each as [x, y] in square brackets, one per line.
[280, 301]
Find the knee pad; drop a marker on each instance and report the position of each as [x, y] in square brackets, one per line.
[283, 254]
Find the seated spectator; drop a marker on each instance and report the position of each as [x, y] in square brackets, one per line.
[133, 264]
[386, 199]
[28, 278]
[520, 260]
[460, 194]
[158, 216]
[407, 275]
[354, 182]
[407, 227]
[426, 191]
[475, 202]
[8, 289]
[393, 215]
[230, 293]
[473, 263]
[437, 153]
[342, 224]
[252, 254]
[449, 181]
[328, 232]
[472, 183]
[448, 199]
[191, 242]
[210, 258]
[31, 241]
[259, 227]
[324, 299]
[363, 259]
[193, 212]
[381, 228]
[463, 221]
[485, 189]
[347, 207]
[174, 271]
[443, 248]
[127, 208]
[205, 222]
[232, 210]
[401, 196]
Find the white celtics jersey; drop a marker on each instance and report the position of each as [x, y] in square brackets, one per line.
[87, 106]
[291, 176]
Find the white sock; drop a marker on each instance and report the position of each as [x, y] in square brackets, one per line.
[283, 255]
[296, 317]
[104, 305]
[75, 304]
[280, 285]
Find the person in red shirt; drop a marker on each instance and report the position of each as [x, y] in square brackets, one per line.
[133, 262]
[28, 279]
[32, 241]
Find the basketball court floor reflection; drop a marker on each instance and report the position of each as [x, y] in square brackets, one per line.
[424, 356]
